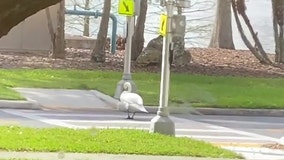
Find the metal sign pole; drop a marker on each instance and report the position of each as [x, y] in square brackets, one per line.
[127, 56]
[127, 59]
[127, 7]
[162, 123]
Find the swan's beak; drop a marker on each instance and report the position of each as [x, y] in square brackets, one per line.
[144, 110]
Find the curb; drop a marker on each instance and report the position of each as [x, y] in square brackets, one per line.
[175, 110]
[197, 111]
[242, 112]
[23, 104]
[107, 99]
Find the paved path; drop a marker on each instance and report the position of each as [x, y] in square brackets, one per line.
[66, 99]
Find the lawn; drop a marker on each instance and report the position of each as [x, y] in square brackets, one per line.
[185, 89]
[112, 141]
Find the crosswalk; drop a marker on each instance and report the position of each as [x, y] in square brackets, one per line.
[184, 127]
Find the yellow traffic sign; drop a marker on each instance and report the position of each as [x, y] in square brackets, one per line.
[163, 24]
[126, 7]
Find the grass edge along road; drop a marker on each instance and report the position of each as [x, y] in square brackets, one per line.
[185, 89]
[110, 141]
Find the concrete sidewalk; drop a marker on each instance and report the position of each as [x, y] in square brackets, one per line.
[92, 100]
[80, 156]
[65, 99]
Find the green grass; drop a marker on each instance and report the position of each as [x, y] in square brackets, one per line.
[112, 141]
[18, 159]
[197, 90]
[7, 94]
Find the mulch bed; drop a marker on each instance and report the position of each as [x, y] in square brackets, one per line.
[206, 61]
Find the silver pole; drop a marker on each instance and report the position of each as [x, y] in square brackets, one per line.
[162, 123]
[165, 76]
[127, 58]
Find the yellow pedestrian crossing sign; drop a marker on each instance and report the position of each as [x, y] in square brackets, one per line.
[126, 7]
[163, 24]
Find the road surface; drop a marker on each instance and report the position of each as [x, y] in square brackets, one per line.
[231, 132]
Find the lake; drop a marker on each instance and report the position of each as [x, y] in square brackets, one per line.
[200, 19]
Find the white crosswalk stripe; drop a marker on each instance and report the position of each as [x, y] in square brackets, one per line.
[184, 128]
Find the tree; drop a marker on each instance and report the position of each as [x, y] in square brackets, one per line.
[12, 12]
[57, 36]
[257, 50]
[138, 37]
[278, 20]
[83, 24]
[59, 39]
[98, 53]
[87, 20]
[222, 36]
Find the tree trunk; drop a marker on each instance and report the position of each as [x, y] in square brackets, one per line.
[258, 45]
[86, 31]
[275, 29]
[98, 54]
[12, 12]
[281, 45]
[138, 37]
[222, 36]
[59, 39]
[279, 15]
[50, 26]
[243, 36]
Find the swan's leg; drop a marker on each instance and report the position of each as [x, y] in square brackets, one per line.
[132, 117]
[128, 115]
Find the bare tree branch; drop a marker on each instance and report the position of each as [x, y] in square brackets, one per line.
[12, 12]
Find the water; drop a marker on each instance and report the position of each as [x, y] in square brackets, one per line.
[199, 25]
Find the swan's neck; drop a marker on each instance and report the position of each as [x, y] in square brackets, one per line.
[127, 86]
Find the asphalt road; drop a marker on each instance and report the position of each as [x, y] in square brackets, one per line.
[216, 129]
[265, 128]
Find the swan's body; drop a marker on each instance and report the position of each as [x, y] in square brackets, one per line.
[282, 141]
[132, 102]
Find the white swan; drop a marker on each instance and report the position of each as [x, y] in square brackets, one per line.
[132, 102]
